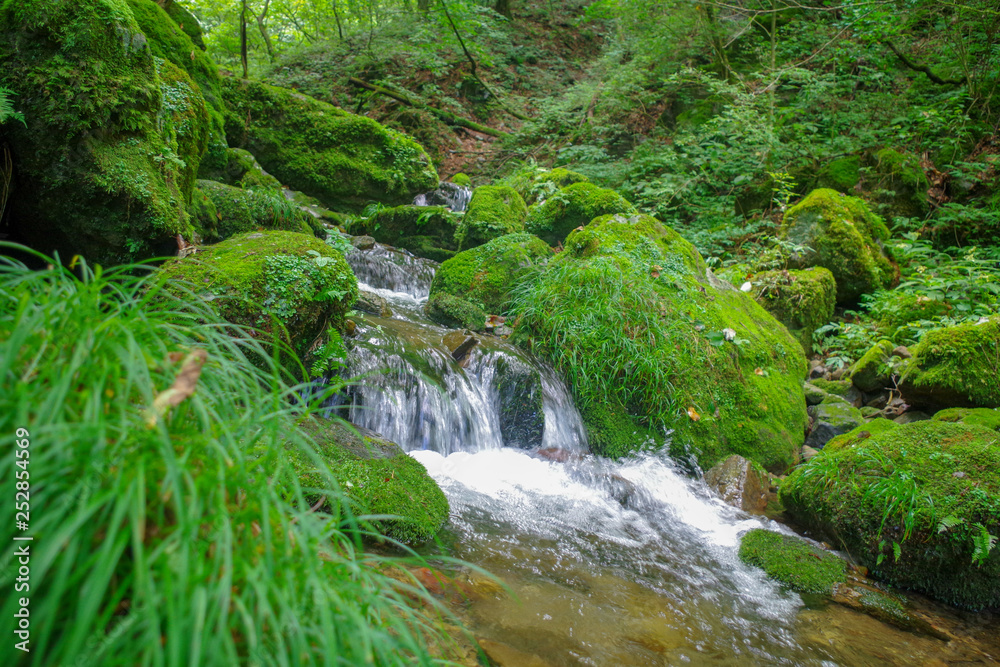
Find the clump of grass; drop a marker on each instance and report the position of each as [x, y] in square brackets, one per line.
[157, 539]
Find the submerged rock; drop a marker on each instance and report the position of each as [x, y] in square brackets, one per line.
[841, 234]
[373, 304]
[627, 313]
[342, 159]
[740, 483]
[459, 344]
[894, 501]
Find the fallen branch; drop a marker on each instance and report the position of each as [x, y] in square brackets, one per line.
[923, 68]
[446, 116]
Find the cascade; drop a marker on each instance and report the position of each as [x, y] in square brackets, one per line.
[455, 197]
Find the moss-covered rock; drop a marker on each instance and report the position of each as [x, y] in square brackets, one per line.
[793, 561]
[426, 231]
[832, 417]
[872, 371]
[377, 476]
[494, 210]
[240, 168]
[626, 311]
[342, 159]
[841, 234]
[238, 210]
[98, 166]
[976, 416]
[539, 184]
[842, 174]
[185, 20]
[801, 300]
[461, 179]
[899, 183]
[860, 433]
[170, 41]
[914, 504]
[184, 120]
[484, 275]
[572, 207]
[277, 282]
[955, 366]
[520, 394]
[454, 311]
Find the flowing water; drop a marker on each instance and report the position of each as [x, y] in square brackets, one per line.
[605, 563]
[455, 197]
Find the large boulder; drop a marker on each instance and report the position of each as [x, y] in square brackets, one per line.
[237, 210]
[426, 231]
[955, 366]
[539, 184]
[801, 300]
[914, 503]
[494, 210]
[841, 234]
[104, 167]
[479, 280]
[240, 168]
[572, 207]
[873, 371]
[277, 282]
[342, 159]
[376, 474]
[627, 312]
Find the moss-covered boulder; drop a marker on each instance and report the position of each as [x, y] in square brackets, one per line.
[454, 311]
[860, 433]
[98, 167]
[237, 210]
[169, 27]
[376, 475]
[240, 168]
[801, 300]
[283, 283]
[342, 159]
[841, 234]
[915, 504]
[842, 174]
[483, 276]
[986, 417]
[538, 184]
[955, 366]
[626, 311]
[184, 120]
[875, 367]
[494, 210]
[832, 417]
[899, 183]
[572, 207]
[793, 561]
[426, 231]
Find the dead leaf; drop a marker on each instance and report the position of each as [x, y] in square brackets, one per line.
[655, 271]
[183, 386]
[759, 371]
[693, 414]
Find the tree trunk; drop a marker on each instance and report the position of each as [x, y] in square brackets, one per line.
[262, 26]
[502, 7]
[243, 40]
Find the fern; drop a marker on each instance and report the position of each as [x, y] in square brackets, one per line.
[984, 543]
[7, 108]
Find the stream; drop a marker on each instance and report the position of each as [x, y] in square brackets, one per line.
[605, 563]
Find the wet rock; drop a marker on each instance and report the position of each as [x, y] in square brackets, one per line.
[740, 483]
[363, 242]
[455, 197]
[373, 304]
[460, 343]
[557, 454]
[522, 418]
[504, 655]
[814, 395]
[622, 490]
[912, 416]
[350, 327]
[832, 417]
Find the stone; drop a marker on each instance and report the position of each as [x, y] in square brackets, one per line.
[814, 395]
[519, 390]
[459, 343]
[816, 370]
[872, 372]
[911, 416]
[832, 417]
[902, 352]
[373, 304]
[740, 483]
[505, 655]
[363, 242]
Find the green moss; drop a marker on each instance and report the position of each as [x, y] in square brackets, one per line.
[168, 41]
[277, 282]
[454, 311]
[978, 416]
[536, 184]
[613, 432]
[184, 120]
[238, 210]
[793, 561]
[97, 173]
[377, 476]
[928, 487]
[426, 231]
[901, 183]
[841, 234]
[494, 210]
[572, 207]
[204, 216]
[485, 274]
[461, 179]
[840, 388]
[872, 371]
[627, 313]
[841, 174]
[860, 434]
[342, 159]
[185, 20]
[955, 366]
[801, 300]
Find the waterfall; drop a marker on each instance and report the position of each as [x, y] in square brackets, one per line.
[455, 197]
